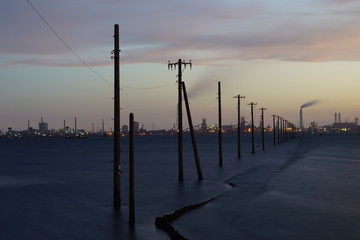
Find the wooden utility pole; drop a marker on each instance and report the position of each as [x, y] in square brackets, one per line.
[192, 133]
[131, 171]
[262, 128]
[274, 131]
[278, 127]
[220, 125]
[239, 125]
[117, 166]
[252, 126]
[180, 64]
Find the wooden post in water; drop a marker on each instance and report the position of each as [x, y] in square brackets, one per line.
[180, 65]
[131, 171]
[117, 167]
[274, 131]
[252, 127]
[278, 128]
[262, 128]
[239, 125]
[193, 140]
[220, 125]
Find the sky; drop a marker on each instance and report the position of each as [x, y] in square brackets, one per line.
[279, 54]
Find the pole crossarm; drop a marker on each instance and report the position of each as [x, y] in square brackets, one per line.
[239, 125]
[179, 64]
[262, 127]
[252, 104]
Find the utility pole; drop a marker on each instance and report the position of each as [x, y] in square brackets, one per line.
[180, 64]
[220, 126]
[117, 166]
[193, 140]
[274, 132]
[239, 125]
[252, 126]
[278, 129]
[131, 171]
[262, 128]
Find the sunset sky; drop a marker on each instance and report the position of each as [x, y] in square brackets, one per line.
[279, 54]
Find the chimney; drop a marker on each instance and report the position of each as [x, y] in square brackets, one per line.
[335, 117]
[301, 120]
[75, 126]
[339, 118]
[357, 121]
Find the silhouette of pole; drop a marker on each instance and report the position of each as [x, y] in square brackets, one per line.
[180, 65]
[239, 125]
[220, 125]
[274, 131]
[195, 149]
[252, 127]
[278, 128]
[117, 167]
[262, 128]
[131, 171]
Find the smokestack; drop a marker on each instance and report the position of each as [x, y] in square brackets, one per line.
[356, 121]
[339, 118]
[301, 120]
[335, 117]
[75, 126]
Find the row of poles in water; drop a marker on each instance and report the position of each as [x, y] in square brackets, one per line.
[280, 130]
[283, 130]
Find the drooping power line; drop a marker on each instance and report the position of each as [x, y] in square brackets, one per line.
[81, 60]
[66, 45]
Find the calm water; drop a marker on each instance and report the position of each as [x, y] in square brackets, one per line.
[62, 189]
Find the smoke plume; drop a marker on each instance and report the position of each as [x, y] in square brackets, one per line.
[308, 104]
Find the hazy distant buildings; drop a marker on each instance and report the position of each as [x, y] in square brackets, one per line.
[125, 129]
[43, 126]
[136, 126]
[339, 127]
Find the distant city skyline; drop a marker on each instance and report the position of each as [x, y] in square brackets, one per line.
[55, 60]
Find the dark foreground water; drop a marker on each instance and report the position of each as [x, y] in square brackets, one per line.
[62, 189]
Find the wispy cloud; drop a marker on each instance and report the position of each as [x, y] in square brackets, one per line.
[342, 2]
[213, 32]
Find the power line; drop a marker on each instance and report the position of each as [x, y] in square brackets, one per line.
[147, 88]
[66, 45]
[81, 60]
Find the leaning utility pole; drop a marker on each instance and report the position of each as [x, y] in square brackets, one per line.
[192, 133]
[117, 167]
[239, 125]
[262, 128]
[220, 125]
[252, 126]
[180, 64]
